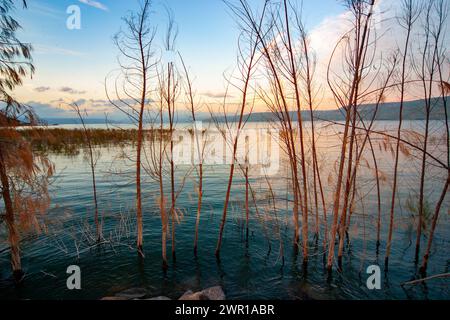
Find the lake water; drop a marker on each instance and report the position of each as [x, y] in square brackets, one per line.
[250, 269]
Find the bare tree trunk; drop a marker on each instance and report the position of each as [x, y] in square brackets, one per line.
[246, 201]
[325, 219]
[444, 92]
[199, 205]
[13, 236]
[164, 220]
[246, 71]
[98, 231]
[200, 153]
[422, 187]
[409, 20]
[337, 195]
[348, 187]
[225, 207]
[94, 188]
[135, 46]
[171, 108]
[304, 200]
[140, 139]
[361, 43]
[427, 71]
[317, 181]
[377, 177]
[424, 266]
[139, 242]
[235, 144]
[352, 200]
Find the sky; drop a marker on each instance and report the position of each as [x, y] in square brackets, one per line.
[71, 65]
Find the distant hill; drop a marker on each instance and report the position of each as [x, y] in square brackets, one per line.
[412, 110]
[58, 121]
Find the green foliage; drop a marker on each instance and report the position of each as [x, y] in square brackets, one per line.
[15, 63]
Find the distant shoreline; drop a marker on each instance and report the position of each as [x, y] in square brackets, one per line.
[413, 110]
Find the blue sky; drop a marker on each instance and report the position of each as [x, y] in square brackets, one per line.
[72, 64]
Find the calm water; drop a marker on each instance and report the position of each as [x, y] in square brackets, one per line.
[247, 270]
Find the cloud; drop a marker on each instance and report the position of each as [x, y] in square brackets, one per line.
[46, 11]
[95, 106]
[71, 90]
[44, 49]
[80, 102]
[324, 38]
[215, 95]
[95, 4]
[42, 89]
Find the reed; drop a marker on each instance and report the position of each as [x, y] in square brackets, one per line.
[407, 22]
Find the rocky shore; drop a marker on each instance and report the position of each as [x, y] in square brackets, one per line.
[212, 293]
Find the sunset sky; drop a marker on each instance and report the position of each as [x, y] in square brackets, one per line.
[71, 65]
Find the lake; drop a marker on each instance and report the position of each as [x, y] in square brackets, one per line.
[253, 269]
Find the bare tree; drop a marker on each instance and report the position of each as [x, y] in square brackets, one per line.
[155, 161]
[200, 149]
[170, 94]
[433, 35]
[280, 74]
[406, 21]
[307, 75]
[247, 63]
[442, 13]
[356, 56]
[23, 174]
[293, 75]
[132, 86]
[92, 163]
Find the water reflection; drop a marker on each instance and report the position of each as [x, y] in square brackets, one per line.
[264, 266]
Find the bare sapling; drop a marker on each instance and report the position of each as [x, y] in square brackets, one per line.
[410, 15]
[363, 13]
[92, 165]
[444, 90]
[246, 68]
[434, 23]
[131, 88]
[200, 151]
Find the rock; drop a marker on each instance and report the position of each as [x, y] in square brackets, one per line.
[214, 293]
[159, 298]
[189, 295]
[189, 292]
[113, 298]
[133, 293]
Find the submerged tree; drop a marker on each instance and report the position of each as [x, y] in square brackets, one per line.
[346, 93]
[410, 15]
[92, 164]
[199, 144]
[440, 58]
[434, 18]
[280, 69]
[170, 79]
[132, 86]
[247, 62]
[24, 174]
